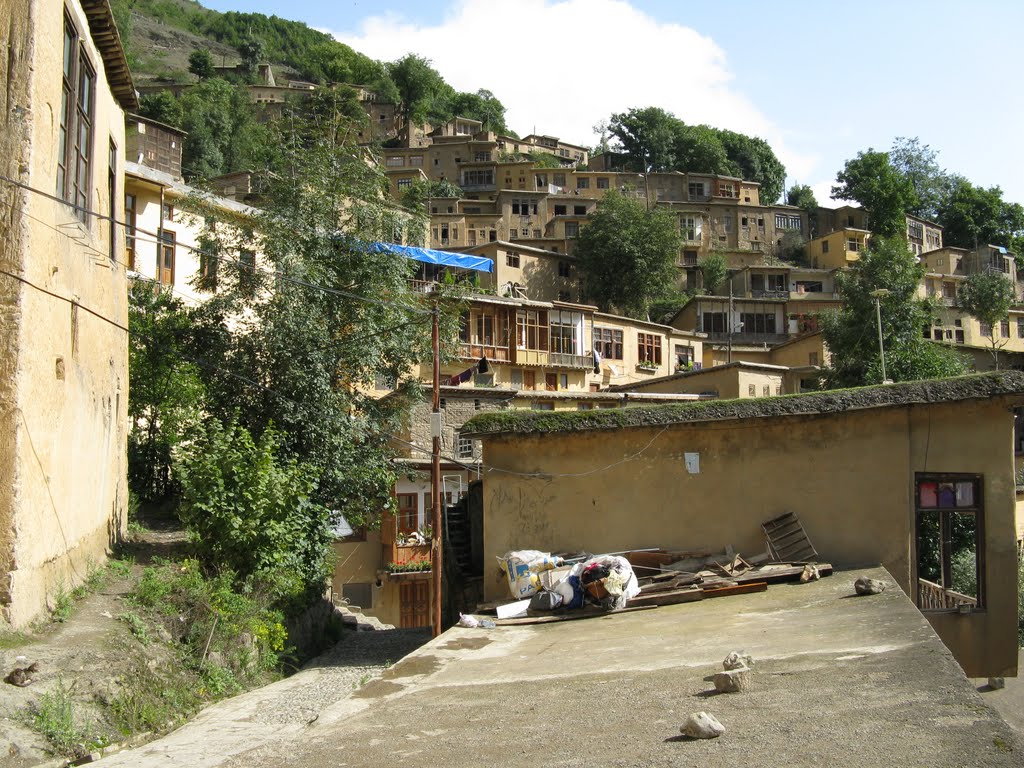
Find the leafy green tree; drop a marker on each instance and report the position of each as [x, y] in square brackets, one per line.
[249, 509]
[166, 394]
[253, 53]
[223, 133]
[987, 297]
[161, 106]
[885, 194]
[200, 63]
[317, 352]
[647, 135]
[802, 196]
[483, 106]
[628, 254]
[918, 163]
[713, 271]
[851, 334]
[752, 158]
[419, 87]
[972, 216]
[698, 148]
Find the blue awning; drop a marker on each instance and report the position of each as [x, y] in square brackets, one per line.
[430, 256]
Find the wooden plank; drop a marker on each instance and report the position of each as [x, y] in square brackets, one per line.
[780, 575]
[573, 615]
[674, 597]
[650, 560]
[737, 589]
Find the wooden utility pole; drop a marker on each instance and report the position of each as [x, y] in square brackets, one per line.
[435, 476]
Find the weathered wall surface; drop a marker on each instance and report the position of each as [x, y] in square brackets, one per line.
[65, 377]
[849, 476]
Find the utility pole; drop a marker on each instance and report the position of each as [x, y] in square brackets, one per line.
[435, 475]
[878, 294]
[729, 321]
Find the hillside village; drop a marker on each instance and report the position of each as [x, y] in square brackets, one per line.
[166, 333]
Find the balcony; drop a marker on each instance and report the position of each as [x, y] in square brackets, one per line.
[757, 339]
[769, 294]
[476, 350]
[934, 597]
[563, 360]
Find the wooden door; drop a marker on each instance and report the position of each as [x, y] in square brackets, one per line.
[414, 604]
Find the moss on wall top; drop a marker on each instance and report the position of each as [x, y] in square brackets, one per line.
[972, 387]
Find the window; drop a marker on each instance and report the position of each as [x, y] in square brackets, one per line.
[564, 269]
[394, 161]
[608, 343]
[477, 178]
[78, 89]
[408, 512]
[689, 258]
[950, 552]
[542, 180]
[787, 221]
[112, 198]
[531, 329]
[726, 189]
[558, 179]
[684, 355]
[512, 260]
[766, 390]
[812, 358]
[696, 189]
[543, 406]
[582, 182]
[751, 390]
[566, 332]
[416, 161]
[757, 322]
[648, 347]
[926, 332]
[1020, 327]
[404, 183]
[690, 227]
[130, 205]
[602, 182]
[463, 447]
[165, 257]
[713, 322]
[579, 210]
[536, 234]
[561, 210]
[1004, 327]
[727, 222]
[986, 329]
[824, 246]
[572, 229]
[167, 211]
[482, 157]
[563, 381]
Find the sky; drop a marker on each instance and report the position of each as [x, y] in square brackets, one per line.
[820, 81]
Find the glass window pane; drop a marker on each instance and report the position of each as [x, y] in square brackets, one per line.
[963, 554]
[965, 494]
[947, 495]
[928, 495]
[928, 547]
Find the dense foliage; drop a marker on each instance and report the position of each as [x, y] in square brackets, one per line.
[987, 297]
[656, 140]
[628, 254]
[851, 334]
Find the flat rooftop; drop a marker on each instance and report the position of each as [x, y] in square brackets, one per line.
[838, 680]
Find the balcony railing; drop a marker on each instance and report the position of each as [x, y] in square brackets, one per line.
[749, 338]
[474, 351]
[770, 294]
[934, 597]
[563, 360]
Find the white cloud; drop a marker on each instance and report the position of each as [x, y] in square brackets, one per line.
[561, 66]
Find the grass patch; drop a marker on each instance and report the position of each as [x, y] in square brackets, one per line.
[53, 717]
[136, 626]
[151, 700]
[14, 639]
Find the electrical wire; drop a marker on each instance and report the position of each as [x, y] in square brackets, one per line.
[155, 238]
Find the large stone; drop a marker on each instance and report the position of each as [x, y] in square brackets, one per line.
[701, 725]
[866, 586]
[996, 683]
[732, 681]
[738, 660]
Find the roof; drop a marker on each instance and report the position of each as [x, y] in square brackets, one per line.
[182, 189]
[104, 34]
[972, 387]
[134, 118]
[762, 367]
[614, 690]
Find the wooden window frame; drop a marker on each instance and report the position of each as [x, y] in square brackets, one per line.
[608, 342]
[77, 113]
[402, 513]
[649, 348]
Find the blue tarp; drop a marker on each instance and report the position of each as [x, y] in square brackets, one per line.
[430, 256]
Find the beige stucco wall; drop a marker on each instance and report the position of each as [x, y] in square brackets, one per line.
[850, 478]
[63, 400]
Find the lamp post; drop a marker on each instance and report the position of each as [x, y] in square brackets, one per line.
[878, 294]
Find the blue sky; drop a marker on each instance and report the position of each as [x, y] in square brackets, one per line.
[819, 80]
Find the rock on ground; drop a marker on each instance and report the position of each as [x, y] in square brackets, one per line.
[701, 725]
[866, 586]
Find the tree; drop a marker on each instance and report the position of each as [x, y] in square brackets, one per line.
[415, 197]
[166, 392]
[918, 164]
[483, 106]
[698, 148]
[628, 254]
[802, 196]
[973, 216]
[851, 334]
[886, 195]
[162, 107]
[223, 134]
[751, 158]
[713, 271]
[419, 87]
[200, 63]
[316, 352]
[647, 135]
[252, 52]
[987, 297]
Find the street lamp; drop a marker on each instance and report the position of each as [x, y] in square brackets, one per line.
[878, 294]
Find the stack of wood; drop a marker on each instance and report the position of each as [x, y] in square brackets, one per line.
[669, 577]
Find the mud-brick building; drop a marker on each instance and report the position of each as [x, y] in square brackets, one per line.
[66, 86]
[917, 477]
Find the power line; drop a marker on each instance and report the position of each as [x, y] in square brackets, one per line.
[135, 230]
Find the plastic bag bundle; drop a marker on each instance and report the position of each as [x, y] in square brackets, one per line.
[522, 569]
[608, 580]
